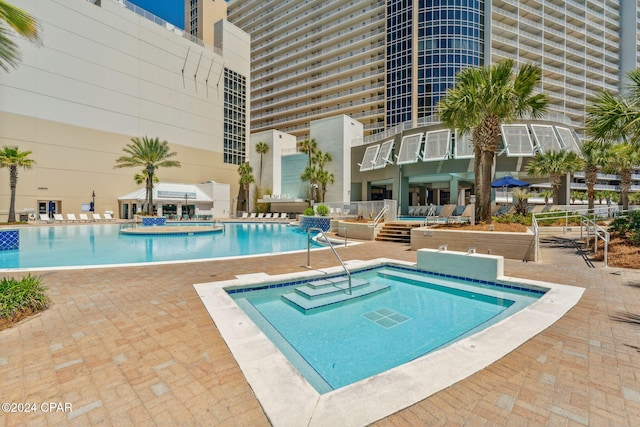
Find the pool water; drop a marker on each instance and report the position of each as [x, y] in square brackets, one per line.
[102, 244]
[339, 345]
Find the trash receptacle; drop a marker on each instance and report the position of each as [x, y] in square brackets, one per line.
[24, 217]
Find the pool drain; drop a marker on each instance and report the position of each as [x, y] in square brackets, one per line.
[386, 318]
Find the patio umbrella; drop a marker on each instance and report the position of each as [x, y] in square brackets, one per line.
[509, 182]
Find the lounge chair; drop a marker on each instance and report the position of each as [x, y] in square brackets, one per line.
[84, 217]
[252, 216]
[45, 218]
[58, 217]
[245, 215]
[267, 215]
[284, 215]
[96, 217]
[464, 216]
[443, 215]
[260, 216]
[108, 217]
[72, 218]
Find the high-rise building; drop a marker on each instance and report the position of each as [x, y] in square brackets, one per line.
[388, 63]
[200, 15]
[106, 72]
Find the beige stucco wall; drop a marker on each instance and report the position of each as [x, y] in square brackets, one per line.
[73, 161]
[520, 246]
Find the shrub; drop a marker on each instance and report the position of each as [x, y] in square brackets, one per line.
[308, 212]
[322, 210]
[24, 295]
[513, 219]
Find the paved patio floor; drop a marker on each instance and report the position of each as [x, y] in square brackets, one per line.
[135, 346]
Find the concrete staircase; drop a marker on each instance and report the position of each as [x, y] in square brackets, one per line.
[397, 231]
[324, 292]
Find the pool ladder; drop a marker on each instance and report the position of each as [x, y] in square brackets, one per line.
[332, 248]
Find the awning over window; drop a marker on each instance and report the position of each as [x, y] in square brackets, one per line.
[517, 141]
[546, 139]
[369, 159]
[409, 149]
[463, 146]
[437, 145]
[384, 155]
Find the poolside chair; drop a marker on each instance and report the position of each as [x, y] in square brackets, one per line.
[72, 217]
[443, 215]
[83, 217]
[245, 215]
[464, 216]
[96, 217]
[108, 217]
[267, 215]
[45, 218]
[260, 216]
[252, 216]
[58, 218]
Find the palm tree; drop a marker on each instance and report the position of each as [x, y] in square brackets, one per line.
[16, 19]
[13, 158]
[324, 177]
[624, 159]
[545, 194]
[142, 178]
[481, 100]
[246, 177]
[311, 174]
[308, 146]
[261, 148]
[554, 164]
[151, 154]
[613, 118]
[595, 155]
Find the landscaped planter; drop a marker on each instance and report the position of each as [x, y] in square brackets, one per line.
[153, 221]
[520, 246]
[307, 222]
[356, 230]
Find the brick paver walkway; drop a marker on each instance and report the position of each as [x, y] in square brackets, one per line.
[135, 346]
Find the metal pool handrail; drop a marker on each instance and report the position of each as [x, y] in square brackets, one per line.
[309, 230]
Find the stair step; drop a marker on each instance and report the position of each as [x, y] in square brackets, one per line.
[307, 304]
[333, 287]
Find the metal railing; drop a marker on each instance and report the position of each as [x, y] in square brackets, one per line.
[587, 221]
[321, 231]
[379, 217]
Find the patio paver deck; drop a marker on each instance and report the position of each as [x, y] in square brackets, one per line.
[135, 346]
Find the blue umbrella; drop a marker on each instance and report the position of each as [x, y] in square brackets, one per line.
[509, 182]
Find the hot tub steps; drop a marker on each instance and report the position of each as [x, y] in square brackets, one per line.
[326, 292]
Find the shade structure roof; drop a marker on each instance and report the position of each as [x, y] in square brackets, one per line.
[509, 182]
[170, 192]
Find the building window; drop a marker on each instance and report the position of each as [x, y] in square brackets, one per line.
[235, 117]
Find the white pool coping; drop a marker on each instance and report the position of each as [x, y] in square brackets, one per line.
[289, 400]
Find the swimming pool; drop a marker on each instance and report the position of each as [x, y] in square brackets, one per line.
[102, 245]
[412, 314]
[280, 386]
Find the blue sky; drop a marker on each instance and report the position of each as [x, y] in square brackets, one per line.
[170, 10]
